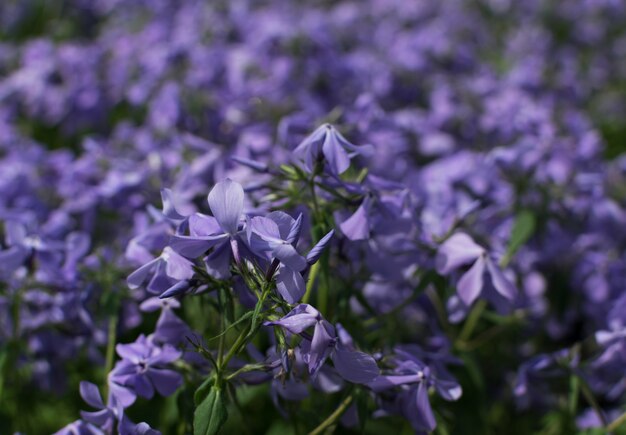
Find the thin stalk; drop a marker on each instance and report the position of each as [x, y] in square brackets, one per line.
[332, 418]
[220, 346]
[241, 340]
[311, 282]
[588, 395]
[615, 424]
[324, 286]
[472, 320]
[110, 355]
[316, 208]
[246, 369]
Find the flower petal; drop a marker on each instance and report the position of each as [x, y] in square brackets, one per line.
[424, 410]
[316, 252]
[500, 282]
[357, 227]
[297, 320]
[137, 278]
[471, 283]
[177, 266]
[458, 250]
[320, 347]
[166, 382]
[193, 247]
[169, 206]
[337, 157]
[290, 285]
[226, 202]
[288, 255]
[203, 225]
[355, 366]
[283, 221]
[449, 390]
[90, 394]
[266, 228]
[218, 263]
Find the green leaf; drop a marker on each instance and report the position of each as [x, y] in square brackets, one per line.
[211, 414]
[203, 390]
[289, 170]
[523, 229]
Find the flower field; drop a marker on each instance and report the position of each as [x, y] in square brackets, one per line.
[282, 217]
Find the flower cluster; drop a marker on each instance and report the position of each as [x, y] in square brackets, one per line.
[372, 216]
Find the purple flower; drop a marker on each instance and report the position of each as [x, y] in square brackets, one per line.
[352, 365]
[142, 370]
[165, 271]
[276, 234]
[460, 250]
[326, 142]
[218, 232]
[170, 208]
[170, 328]
[533, 376]
[383, 207]
[21, 245]
[107, 419]
[413, 377]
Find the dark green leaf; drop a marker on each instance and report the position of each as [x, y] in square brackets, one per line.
[203, 391]
[211, 414]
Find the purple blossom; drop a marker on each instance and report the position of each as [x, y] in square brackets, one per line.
[107, 419]
[142, 370]
[460, 250]
[164, 271]
[219, 231]
[327, 143]
[352, 365]
[413, 378]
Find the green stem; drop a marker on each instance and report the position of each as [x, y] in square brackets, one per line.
[316, 208]
[588, 395]
[245, 369]
[220, 346]
[472, 320]
[241, 340]
[311, 282]
[332, 418]
[110, 355]
[323, 287]
[615, 424]
[317, 233]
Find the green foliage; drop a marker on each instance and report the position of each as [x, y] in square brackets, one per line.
[523, 229]
[211, 413]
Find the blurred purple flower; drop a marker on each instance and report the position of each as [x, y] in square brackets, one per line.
[460, 250]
